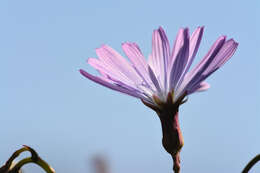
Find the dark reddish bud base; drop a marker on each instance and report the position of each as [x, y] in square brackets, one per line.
[172, 137]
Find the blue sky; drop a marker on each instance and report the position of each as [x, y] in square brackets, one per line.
[48, 105]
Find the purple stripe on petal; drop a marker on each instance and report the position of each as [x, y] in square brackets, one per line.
[210, 55]
[195, 40]
[223, 55]
[160, 55]
[180, 60]
[135, 55]
[154, 80]
[194, 46]
[111, 86]
[195, 74]
[192, 77]
[110, 71]
[113, 59]
[151, 62]
[177, 46]
[165, 46]
[166, 56]
[200, 87]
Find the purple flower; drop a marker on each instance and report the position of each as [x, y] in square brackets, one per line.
[165, 71]
[165, 79]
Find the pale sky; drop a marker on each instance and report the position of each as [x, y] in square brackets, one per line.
[48, 105]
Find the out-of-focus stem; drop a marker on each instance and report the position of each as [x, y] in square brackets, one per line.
[251, 163]
[8, 168]
[100, 165]
[38, 161]
[9, 162]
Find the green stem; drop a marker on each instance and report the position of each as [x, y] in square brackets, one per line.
[11, 159]
[39, 162]
[251, 163]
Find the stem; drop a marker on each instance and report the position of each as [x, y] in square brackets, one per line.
[8, 163]
[251, 163]
[33, 159]
[176, 163]
[172, 137]
[39, 162]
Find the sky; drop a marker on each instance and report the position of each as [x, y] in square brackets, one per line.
[48, 105]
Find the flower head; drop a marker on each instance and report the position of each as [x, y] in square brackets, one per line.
[166, 76]
[165, 79]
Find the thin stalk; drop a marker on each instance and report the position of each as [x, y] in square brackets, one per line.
[251, 163]
[38, 161]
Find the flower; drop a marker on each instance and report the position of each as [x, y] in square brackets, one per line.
[165, 79]
[165, 72]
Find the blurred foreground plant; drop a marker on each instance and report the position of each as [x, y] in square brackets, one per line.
[100, 165]
[251, 163]
[12, 167]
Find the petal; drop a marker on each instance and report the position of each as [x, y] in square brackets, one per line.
[110, 71]
[194, 45]
[135, 55]
[193, 49]
[114, 60]
[223, 56]
[160, 54]
[165, 46]
[154, 80]
[107, 84]
[177, 45]
[197, 71]
[192, 77]
[181, 53]
[200, 87]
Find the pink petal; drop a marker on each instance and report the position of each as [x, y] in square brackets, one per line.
[197, 71]
[111, 86]
[194, 45]
[179, 62]
[192, 77]
[223, 56]
[135, 55]
[154, 80]
[193, 48]
[160, 54]
[115, 61]
[105, 69]
[200, 87]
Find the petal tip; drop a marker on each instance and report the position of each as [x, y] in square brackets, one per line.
[82, 71]
[101, 46]
[201, 27]
[234, 43]
[161, 28]
[126, 43]
[89, 60]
